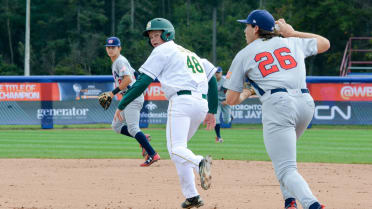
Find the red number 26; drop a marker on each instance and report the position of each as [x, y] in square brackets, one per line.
[285, 61]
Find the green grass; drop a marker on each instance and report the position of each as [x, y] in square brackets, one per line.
[344, 144]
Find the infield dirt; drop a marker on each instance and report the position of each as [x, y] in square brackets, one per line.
[121, 183]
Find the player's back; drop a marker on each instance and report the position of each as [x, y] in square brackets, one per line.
[177, 69]
[278, 62]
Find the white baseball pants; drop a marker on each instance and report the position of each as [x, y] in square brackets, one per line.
[185, 113]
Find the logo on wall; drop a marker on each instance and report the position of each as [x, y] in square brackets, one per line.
[356, 91]
[151, 106]
[327, 112]
[91, 92]
[77, 89]
[75, 113]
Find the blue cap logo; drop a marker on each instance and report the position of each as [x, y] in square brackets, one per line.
[219, 69]
[113, 41]
[262, 18]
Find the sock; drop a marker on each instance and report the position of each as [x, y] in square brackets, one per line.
[217, 129]
[288, 201]
[124, 131]
[315, 205]
[141, 138]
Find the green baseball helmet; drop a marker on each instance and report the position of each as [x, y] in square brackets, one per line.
[161, 24]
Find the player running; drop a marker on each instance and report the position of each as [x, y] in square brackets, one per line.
[185, 79]
[124, 78]
[275, 67]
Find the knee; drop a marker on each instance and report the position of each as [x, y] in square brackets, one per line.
[116, 128]
[285, 171]
[133, 130]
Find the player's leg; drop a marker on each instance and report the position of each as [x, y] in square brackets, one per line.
[280, 142]
[226, 113]
[180, 113]
[305, 112]
[132, 117]
[217, 128]
[120, 127]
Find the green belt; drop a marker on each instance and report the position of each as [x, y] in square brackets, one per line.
[188, 92]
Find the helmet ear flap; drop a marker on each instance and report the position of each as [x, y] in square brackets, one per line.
[165, 35]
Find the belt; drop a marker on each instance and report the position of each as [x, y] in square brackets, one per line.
[188, 92]
[273, 91]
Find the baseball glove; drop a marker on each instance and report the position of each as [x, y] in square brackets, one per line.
[105, 100]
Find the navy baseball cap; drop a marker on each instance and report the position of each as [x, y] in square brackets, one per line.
[262, 18]
[113, 41]
[219, 69]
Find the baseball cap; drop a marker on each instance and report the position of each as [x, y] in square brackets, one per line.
[219, 69]
[113, 41]
[262, 18]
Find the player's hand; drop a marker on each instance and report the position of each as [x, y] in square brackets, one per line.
[210, 121]
[224, 103]
[285, 29]
[118, 116]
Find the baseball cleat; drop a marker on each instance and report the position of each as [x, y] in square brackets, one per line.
[193, 202]
[144, 153]
[151, 160]
[219, 140]
[292, 205]
[205, 172]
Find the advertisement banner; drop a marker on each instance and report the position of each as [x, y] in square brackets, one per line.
[29, 92]
[341, 91]
[75, 102]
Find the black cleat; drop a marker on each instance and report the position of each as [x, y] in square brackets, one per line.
[193, 202]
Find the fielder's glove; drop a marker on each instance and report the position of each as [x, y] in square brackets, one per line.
[105, 100]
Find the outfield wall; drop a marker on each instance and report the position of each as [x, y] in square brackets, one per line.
[62, 100]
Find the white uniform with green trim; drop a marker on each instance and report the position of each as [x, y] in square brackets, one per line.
[278, 63]
[179, 69]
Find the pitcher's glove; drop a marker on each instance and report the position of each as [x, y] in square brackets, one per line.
[105, 100]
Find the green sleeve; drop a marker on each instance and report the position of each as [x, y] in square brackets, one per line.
[135, 91]
[212, 95]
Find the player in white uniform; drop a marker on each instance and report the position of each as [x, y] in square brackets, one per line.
[275, 67]
[186, 80]
[124, 78]
[223, 109]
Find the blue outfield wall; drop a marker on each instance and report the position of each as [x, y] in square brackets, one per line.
[77, 102]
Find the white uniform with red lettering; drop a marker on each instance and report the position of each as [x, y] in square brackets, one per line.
[180, 70]
[277, 71]
[131, 114]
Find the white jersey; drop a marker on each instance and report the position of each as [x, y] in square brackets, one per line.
[271, 64]
[120, 68]
[178, 69]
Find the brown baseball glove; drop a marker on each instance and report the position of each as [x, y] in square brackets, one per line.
[105, 100]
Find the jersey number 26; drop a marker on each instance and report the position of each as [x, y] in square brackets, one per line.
[285, 61]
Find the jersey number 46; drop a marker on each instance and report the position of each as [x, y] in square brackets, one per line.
[286, 62]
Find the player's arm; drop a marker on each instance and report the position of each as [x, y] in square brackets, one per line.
[135, 91]
[124, 84]
[235, 97]
[212, 95]
[286, 30]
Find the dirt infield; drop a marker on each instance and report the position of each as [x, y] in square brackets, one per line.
[121, 183]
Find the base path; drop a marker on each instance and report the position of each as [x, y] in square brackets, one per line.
[122, 183]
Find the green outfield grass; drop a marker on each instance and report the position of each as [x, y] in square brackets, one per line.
[334, 144]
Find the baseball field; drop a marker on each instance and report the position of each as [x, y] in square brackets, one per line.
[90, 166]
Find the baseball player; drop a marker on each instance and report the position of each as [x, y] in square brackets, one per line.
[186, 80]
[275, 67]
[124, 78]
[223, 108]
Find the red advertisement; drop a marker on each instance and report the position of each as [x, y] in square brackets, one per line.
[341, 91]
[29, 92]
[154, 92]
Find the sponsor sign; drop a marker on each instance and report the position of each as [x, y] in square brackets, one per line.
[29, 92]
[341, 91]
[154, 92]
